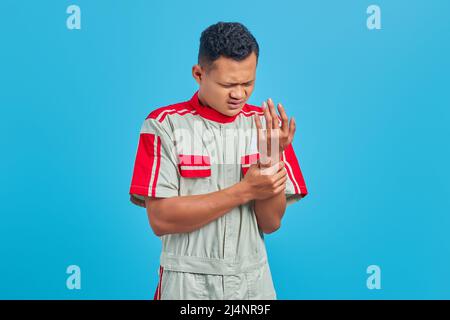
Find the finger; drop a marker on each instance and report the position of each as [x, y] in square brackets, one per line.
[284, 119]
[258, 130]
[281, 165]
[275, 133]
[258, 122]
[273, 114]
[292, 128]
[280, 189]
[262, 142]
[280, 173]
[268, 118]
[280, 182]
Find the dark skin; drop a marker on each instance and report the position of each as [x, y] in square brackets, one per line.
[226, 85]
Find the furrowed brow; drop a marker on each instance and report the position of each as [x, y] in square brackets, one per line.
[236, 83]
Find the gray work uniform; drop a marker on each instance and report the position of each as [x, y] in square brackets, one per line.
[189, 149]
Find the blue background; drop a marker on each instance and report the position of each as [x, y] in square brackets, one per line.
[372, 111]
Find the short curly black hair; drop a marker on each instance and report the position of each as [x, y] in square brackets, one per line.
[229, 39]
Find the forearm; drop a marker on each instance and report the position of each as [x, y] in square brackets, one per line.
[188, 213]
[270, 211]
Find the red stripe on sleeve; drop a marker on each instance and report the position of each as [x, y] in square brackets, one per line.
[289, 173]
[297, 177]
[143, 164]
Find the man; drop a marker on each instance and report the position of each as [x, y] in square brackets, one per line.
[211, 182]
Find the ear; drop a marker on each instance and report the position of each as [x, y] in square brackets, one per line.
[197, 73]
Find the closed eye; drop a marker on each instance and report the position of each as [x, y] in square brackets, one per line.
[230, 85]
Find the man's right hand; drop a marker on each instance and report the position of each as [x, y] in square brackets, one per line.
[263, 183]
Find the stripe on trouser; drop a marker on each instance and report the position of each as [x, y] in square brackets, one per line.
[157, 295]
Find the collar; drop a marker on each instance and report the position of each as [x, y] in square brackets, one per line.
[210, 113]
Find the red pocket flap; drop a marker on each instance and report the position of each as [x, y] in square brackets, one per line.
[248, 160]
[194, 160]
[194, 166]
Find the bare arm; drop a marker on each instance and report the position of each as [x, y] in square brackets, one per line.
[188, 213]
[269, 212]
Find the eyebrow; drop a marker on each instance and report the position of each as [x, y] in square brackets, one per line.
[235, 83]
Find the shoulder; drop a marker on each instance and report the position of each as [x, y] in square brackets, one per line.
[161, 113]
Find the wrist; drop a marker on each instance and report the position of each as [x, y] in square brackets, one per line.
[243, 192]
[270, 162]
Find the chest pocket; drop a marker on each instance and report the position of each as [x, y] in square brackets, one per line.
[195, 172]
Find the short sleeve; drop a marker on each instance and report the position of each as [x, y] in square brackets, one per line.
[295, 184]
[155, 172]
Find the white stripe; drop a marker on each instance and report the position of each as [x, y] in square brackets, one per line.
[166, 111]
[288, 166]
[155, 160]
[145, 127]
[252, 113]
[195, 167]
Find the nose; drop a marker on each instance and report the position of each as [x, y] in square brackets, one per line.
[237, 93]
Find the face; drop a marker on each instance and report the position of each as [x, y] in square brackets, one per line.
[226, 84]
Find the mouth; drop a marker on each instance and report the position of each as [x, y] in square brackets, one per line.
[235, 104]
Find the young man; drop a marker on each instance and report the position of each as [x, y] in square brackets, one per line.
[211, 182]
